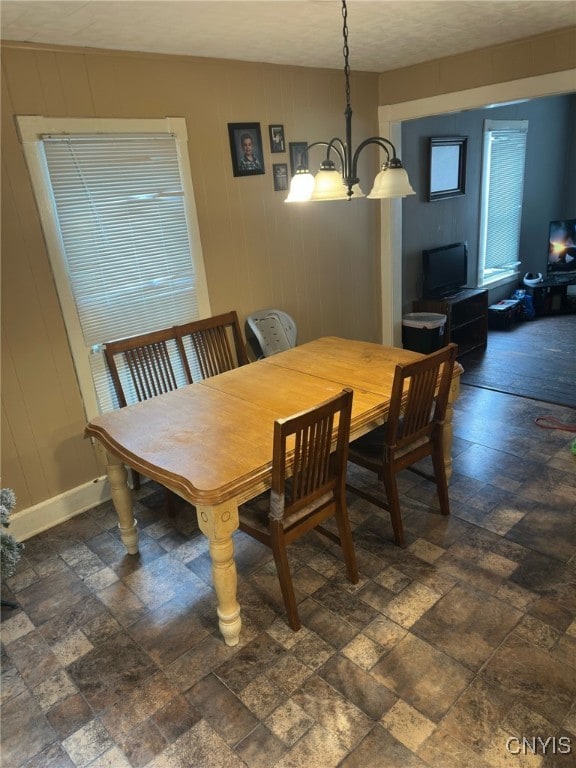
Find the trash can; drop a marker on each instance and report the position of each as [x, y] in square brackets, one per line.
[423, 331]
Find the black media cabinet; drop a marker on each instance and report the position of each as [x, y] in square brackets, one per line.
[466, 317]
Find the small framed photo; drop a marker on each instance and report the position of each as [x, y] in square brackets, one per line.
[277, 143]
[280, 173]
[298, 151]
[447, 167]
[246, 149]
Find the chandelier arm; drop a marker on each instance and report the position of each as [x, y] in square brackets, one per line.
[335, 144]
[382, 143]
[340, 148]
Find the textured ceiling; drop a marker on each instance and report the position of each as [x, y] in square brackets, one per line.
[383, 35]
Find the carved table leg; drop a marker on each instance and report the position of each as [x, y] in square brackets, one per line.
[122, 498]
[448, 429]
[218, 524]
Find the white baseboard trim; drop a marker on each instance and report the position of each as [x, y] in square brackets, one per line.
[28, 522]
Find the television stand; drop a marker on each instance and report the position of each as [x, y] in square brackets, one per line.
[449, 296]
[466, 317]
[550, 296]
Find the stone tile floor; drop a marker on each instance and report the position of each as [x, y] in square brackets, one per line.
[442, 655]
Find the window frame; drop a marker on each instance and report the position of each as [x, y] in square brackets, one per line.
[31, 129]
[490, 126]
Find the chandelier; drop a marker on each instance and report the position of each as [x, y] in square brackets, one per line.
[344, 184]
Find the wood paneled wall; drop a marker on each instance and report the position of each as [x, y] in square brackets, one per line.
[319, 263]
[529, 57]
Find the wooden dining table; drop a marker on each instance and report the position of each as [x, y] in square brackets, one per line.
[211, 442]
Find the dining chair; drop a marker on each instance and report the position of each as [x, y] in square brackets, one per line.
[144, 366]
[212, 345]
[308, 488]
[413, 431]
[270, 331]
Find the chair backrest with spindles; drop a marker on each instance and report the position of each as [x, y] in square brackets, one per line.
[314, 468]
[213, 345]
[144, 366]
[419, 397]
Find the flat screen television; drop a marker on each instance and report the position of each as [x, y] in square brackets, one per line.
[445, 270]
[562, 246]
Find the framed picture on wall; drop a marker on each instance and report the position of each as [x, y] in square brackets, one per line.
[447, 177]
[280, 173]
[277, 143]
[246, 149]
[298, 151]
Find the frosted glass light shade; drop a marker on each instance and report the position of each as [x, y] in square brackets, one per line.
[301, 187]
[329, 185]
[391, 182]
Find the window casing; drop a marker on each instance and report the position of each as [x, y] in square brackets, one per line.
[503, 160]
[117, 208]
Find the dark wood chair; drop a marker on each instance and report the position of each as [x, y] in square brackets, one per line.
[215, 343]
[308, 487]
[148, 362]
[143, 367]
[413, 431]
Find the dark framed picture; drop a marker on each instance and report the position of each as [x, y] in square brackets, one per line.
[277, 143]
[298, 151]
[280, 173]
[246, 148]
[447, 176]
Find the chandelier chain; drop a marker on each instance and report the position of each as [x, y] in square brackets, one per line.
[346, 51]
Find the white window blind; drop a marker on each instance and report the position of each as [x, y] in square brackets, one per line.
[117, 208]
[501, 199]
[120, 207]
